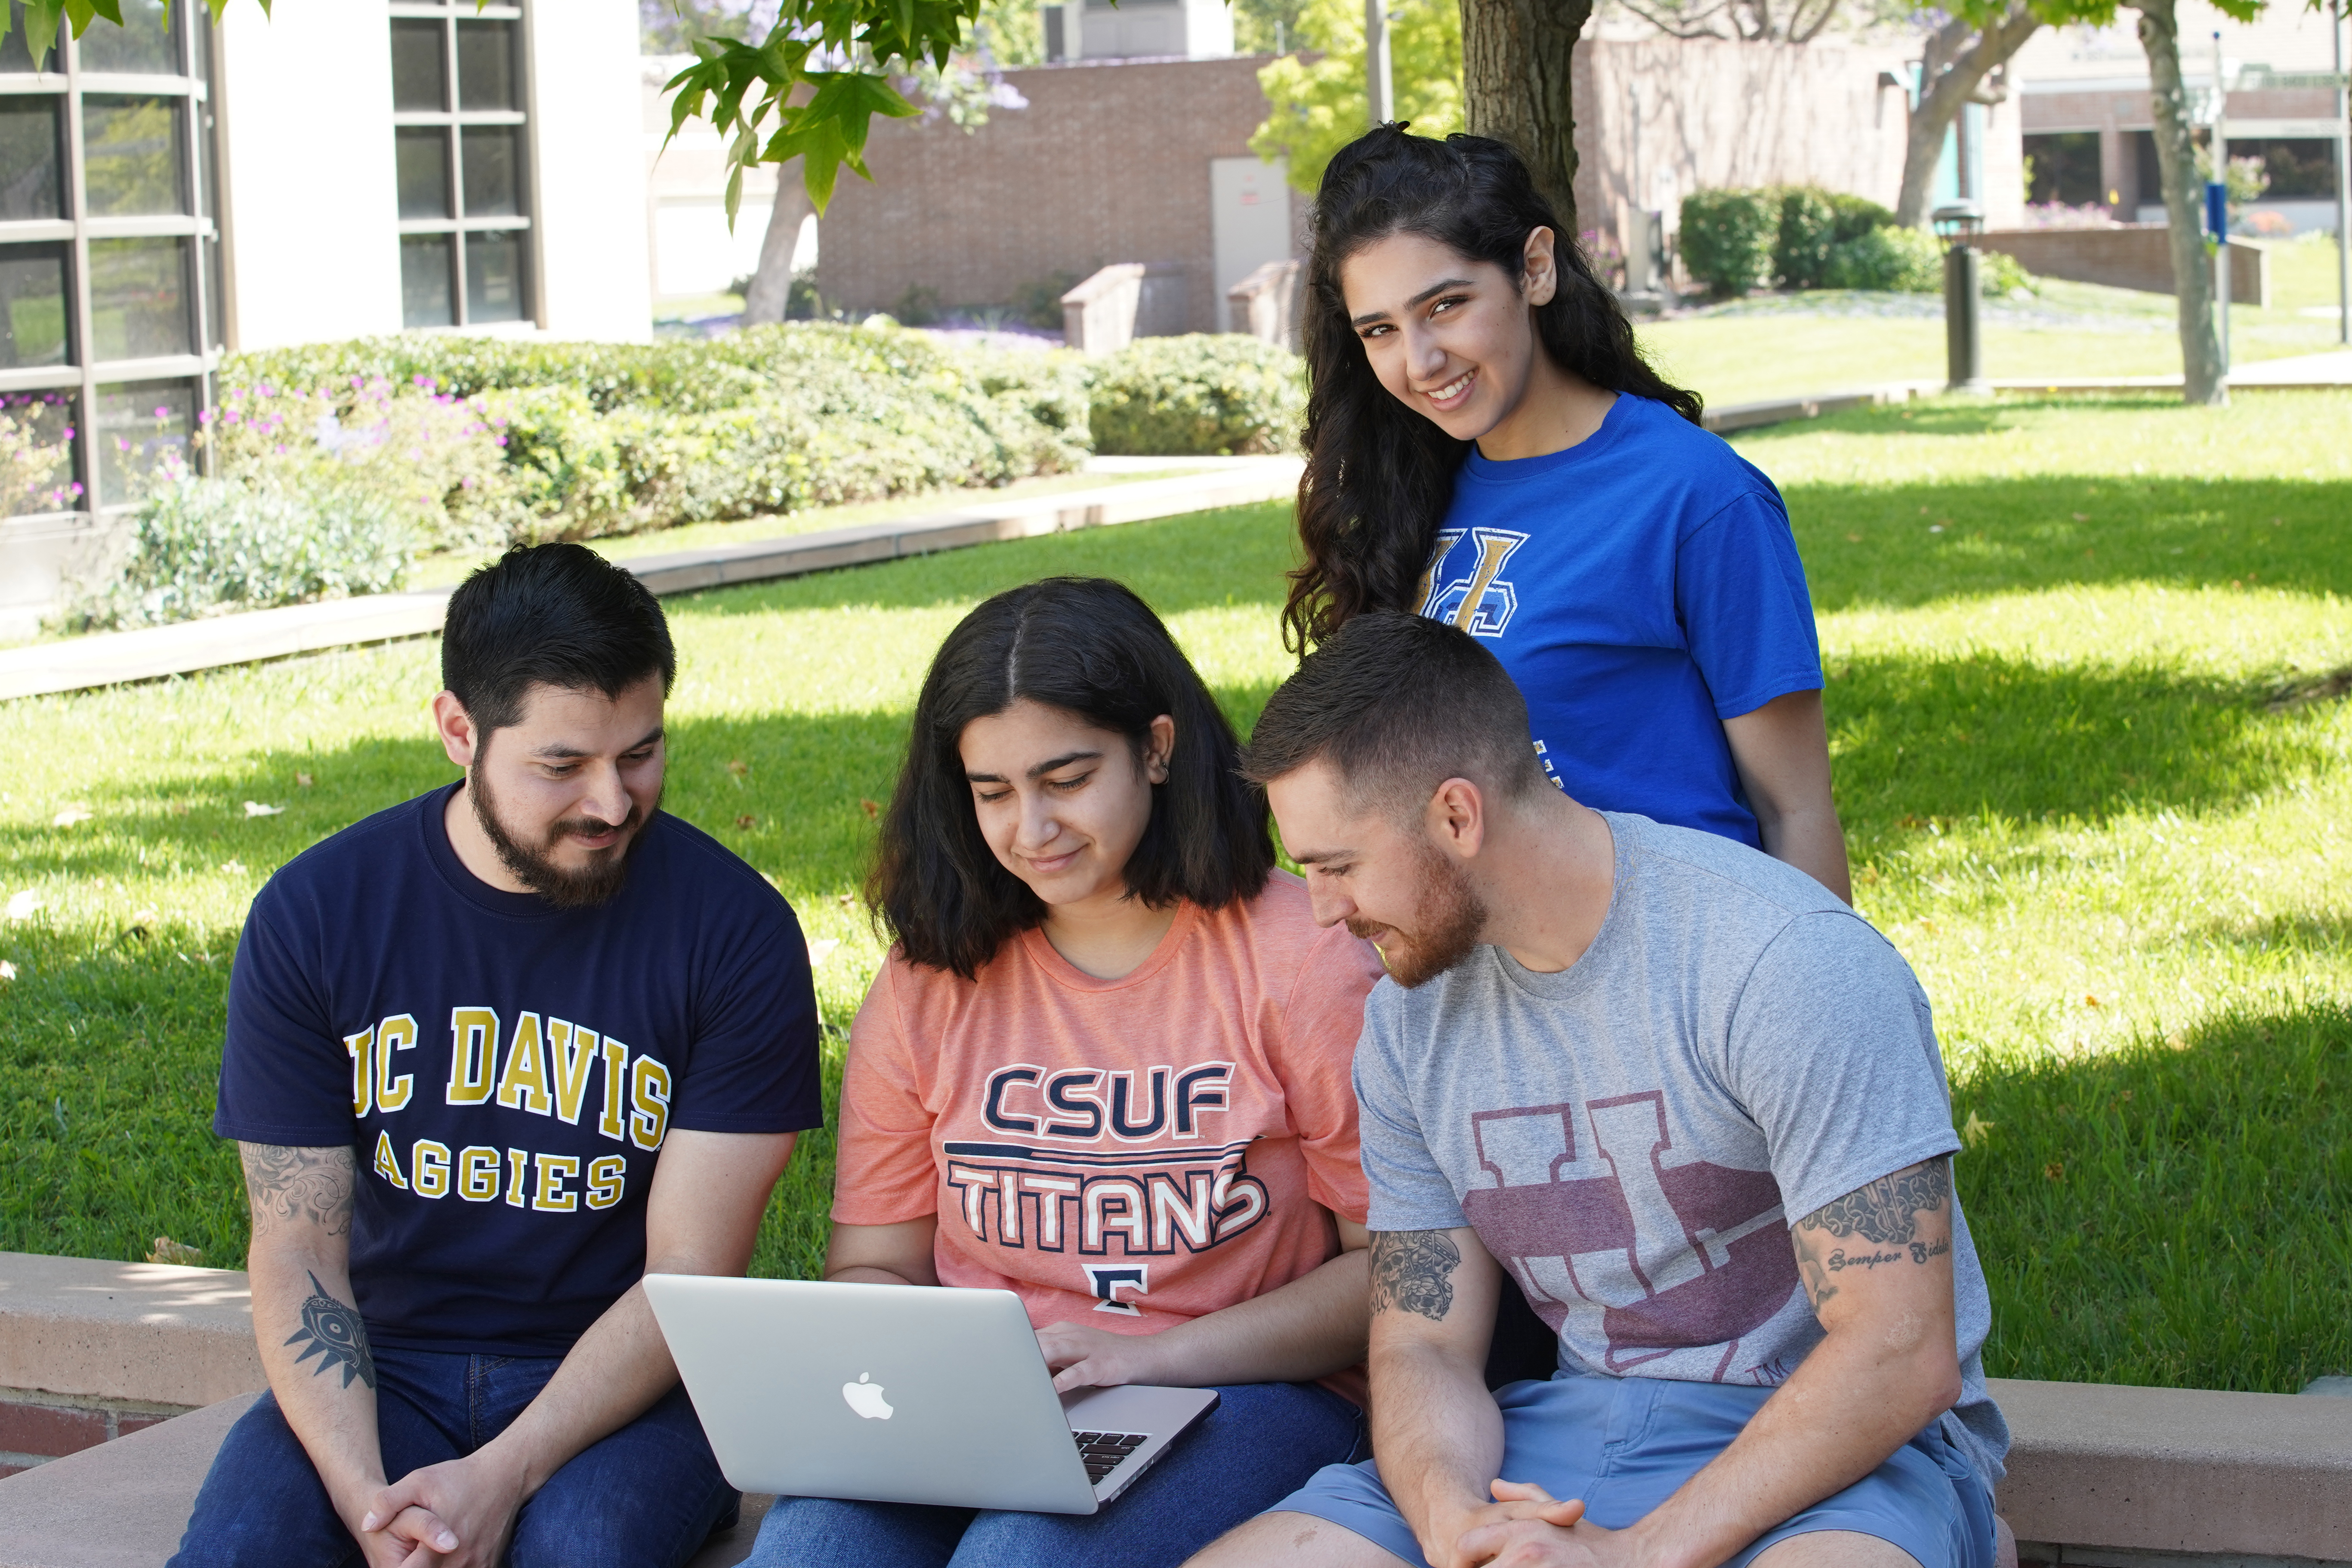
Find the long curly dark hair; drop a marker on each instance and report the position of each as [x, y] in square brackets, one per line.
[1378, 476]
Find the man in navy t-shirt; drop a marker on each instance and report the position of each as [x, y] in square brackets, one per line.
[492, 1055]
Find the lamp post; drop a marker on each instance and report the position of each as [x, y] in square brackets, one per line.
[1957, 223]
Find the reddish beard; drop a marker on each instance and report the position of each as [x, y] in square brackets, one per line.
[1447, 924]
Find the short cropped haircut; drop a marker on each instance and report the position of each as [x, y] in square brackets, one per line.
[1090, 648]
[550, 614]
[1396, 704]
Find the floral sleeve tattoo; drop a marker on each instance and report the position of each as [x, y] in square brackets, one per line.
[1880, 1222]
[295, 1186]
[1413, 1269]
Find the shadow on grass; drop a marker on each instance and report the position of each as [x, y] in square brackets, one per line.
[1920, 739]
[1915, 542]
[2171, 1214]
[1198, 561]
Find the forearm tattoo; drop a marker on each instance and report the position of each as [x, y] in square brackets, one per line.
[336, 1335]
[1413, 1269]
[1883, 1213]
[310, 1186]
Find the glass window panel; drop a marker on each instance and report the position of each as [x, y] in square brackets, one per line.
[143, 44]
[37, 436]
[133, 155]
[493, 160]
[494, 276]
[16, 54]
[420, 67]
[141, 433]
[486, 66]
[32, 306]
[425, 295]
[423, 156]
[28, 159]
[139, 299]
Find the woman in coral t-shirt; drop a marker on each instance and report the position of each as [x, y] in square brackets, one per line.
[1105, 1067]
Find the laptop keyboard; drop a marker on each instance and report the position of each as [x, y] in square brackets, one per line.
[1106, 1451]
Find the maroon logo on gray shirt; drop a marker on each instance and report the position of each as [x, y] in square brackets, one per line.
[1678, 1257]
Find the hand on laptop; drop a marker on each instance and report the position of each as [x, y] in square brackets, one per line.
[1084, 1357]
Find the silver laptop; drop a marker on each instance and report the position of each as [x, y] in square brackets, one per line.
[896, 1394]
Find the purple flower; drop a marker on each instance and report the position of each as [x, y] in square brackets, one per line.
[162, 412]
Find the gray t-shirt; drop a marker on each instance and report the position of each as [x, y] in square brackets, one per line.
[1633, 1137]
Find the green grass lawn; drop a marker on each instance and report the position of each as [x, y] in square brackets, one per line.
[1778, 345]
[2087, 754]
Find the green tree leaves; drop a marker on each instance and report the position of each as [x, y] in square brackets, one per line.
[1316, 110]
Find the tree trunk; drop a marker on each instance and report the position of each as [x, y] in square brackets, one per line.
[771, 284]
[1515, 87]
[2184, 202]
[1945, 91]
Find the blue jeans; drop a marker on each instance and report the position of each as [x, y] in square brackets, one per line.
[1261, 1440]
[645, 1497]
[1626, 1444]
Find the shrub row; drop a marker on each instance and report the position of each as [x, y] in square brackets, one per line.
[1801, 236]
[337, 461]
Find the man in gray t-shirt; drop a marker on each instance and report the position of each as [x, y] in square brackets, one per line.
[1689, 1101]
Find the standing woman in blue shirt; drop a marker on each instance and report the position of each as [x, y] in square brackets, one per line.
[1486, 444]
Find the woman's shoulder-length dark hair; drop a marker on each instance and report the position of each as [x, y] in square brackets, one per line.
[1090, 648]
[1378, 476]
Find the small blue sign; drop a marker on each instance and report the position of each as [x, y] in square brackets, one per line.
[2217, 211]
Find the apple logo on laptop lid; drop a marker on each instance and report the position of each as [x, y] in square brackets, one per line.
[866, 1398]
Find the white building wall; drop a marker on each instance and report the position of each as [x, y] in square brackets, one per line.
[589, 203]
[306, 176]
[309, 183]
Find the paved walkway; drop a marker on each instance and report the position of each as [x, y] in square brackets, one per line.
[107, 659]
[111, 658]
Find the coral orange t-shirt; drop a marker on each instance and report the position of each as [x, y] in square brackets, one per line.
[1136, 1152]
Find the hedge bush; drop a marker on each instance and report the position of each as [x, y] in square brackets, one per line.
[1902, 260]
[210, 546]
[1728, 240]
[602, 438]
[1204, 395]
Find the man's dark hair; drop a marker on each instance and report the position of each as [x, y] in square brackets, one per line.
[552, 615]
[1090, 648]
[1397, 704]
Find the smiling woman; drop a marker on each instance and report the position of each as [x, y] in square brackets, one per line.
[1487, 447]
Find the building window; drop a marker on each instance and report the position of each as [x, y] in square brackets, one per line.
[462, 152]
[109, 319]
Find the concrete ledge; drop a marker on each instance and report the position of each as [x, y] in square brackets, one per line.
[111, 658]
[121, 1505]
[2177, 1469]
[152, 1333]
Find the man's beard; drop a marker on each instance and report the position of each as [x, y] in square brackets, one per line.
[1448, 924]
[596, 883]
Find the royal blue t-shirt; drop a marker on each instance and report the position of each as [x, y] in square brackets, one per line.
[507, 1070]
[1641, 587]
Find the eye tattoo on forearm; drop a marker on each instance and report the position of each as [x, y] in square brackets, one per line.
[1415, 1269]
[337, 1336]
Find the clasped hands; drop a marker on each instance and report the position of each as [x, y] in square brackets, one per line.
[458, 1514]
[1525, 1526]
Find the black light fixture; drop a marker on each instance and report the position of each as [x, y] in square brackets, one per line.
[1958, 223]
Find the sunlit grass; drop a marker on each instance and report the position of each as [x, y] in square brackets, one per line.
[1737, 357]
[2094, 783]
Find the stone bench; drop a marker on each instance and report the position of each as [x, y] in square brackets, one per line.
[2101, 1475]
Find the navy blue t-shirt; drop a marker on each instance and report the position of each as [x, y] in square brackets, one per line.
[1641, 587]
[507, 1070]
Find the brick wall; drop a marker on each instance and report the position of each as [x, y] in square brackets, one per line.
[1108, 162]
[36, 1428]
[2132, 256]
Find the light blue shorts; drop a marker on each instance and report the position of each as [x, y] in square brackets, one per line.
[1625, 1445]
